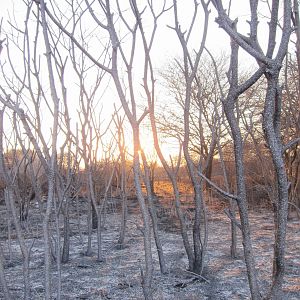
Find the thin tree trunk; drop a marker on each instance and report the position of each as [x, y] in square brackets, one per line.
[89, 251]
[147, 276]
[296, 23]
[97, 211]
[271, 125]
[209, 167]
[3, 281]
[8, 218]
[153, 215]
[198, 244]
[94, 217]
[229, 105]
[79, 220]
[58, 251]
[66, 234]
[183, 227]
[99, 237]
[10, 194]
[46, 234]
[232, 205]
[52, 165]
[172, 175]
[242, 203]
[121, 240]
[190, 68]
[24, 249]
[121, 145]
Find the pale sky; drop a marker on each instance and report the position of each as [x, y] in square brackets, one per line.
[217, 40]
[166, 43]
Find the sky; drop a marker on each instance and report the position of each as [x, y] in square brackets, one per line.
[217, 40]
[166, 47]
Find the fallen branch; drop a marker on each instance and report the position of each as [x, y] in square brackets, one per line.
[196, 275]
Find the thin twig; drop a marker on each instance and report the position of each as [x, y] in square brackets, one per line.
[196, 275]
[290, 144]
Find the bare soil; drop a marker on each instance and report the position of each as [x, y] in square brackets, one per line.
[119, 275]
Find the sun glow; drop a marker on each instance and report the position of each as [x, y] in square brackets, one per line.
[168, 146]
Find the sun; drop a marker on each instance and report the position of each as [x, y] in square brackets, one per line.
[169, 147]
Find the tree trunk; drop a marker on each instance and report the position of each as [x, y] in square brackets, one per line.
[209, 167]
[147, 276]
[196, 181]
[99, 236]
[232, 204]
[25, 252]
[10, 194]
[296, 23]
[233, 250]
[183, 227]
[198, 244]
[47, 239]
[89, 251]
[66, 234]
[3, 281]
[172, 176]
[121, 240]
[242, 203]
[153, 215]
[58, 249]
[94, 217]
[271, 126]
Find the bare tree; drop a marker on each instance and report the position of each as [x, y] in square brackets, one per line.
[118, 55]
[270, 64]
[172, 170]
[12, 193]
[190, 70]
[204, 109]
[52, 164]
[118, 120]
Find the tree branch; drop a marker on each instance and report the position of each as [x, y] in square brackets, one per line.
[290, 144]
[74, 40]
[229, 214]
[218, 189]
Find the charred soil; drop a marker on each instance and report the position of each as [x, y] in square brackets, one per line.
[119, 275]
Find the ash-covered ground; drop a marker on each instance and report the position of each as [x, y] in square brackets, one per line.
[119, 275]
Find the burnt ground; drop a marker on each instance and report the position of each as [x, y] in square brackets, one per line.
[118, 277]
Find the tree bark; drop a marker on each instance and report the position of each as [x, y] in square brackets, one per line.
[148, 274]
[242, 204]
[229, 106]
[153, 215]
[66, 234]
[3, 281]
[271, 126]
